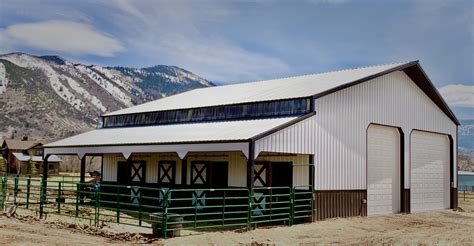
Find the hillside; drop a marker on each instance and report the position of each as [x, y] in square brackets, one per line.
[49, 97]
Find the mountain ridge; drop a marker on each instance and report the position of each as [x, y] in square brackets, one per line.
[49, 97]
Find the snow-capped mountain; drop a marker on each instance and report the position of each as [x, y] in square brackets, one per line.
[48, 97]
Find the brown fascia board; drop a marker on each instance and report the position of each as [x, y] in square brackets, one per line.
[416, 74]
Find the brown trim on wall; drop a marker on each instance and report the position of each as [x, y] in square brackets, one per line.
[405, 208]
[340, 203]
[454, 198]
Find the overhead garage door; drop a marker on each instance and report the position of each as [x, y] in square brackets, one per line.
[429, 171]
[383, 170]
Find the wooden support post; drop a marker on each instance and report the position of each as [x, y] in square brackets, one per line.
[184, 170]
[82, 179]
[311, 170]
[251, 166]
[44, 184]
[83, 170]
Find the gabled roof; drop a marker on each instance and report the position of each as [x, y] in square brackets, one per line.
[15, 144]
[36, 158]
[313, 85]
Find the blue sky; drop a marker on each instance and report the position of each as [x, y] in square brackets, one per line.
[238, 41]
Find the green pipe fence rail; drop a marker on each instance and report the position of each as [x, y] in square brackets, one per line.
[166, 211]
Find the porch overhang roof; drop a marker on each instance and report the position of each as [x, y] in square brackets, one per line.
[179, 138]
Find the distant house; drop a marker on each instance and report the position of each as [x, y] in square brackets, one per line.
[466, 180]
[19, 152]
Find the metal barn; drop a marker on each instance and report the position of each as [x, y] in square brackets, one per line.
[366, 141]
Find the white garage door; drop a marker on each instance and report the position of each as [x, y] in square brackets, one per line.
[383, 170]
[429, 171]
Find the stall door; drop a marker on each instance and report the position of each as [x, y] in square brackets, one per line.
[430, 161]
[132, 174]
[383, 170]
[209, 174]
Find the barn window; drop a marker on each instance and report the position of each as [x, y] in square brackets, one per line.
[228, 112]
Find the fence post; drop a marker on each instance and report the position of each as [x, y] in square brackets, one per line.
[59, 197]
[164, 221]
[118, 204]
[42, 197]
[28, 187]
[223, 210]
[3, 192]
[292, 205]
[77, 200]
[250, 198]
[97, 206]
[140, 207]
[15, 190]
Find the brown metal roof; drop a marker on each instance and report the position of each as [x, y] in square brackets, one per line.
[15, 144]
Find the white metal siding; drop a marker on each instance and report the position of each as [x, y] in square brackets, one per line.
[337, 133]
[383, 170]
[343, 117]
[429, 171]
[109, 167]
[296, 139]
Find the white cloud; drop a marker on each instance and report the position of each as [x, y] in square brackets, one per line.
[458, 95]
[62, 37]
[173, 33]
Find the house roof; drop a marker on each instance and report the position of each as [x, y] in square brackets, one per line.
[224, 131]
[15, 144]
[36, 158]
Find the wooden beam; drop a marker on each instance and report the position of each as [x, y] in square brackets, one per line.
[83, 170]
[251, 166]
[184, 170]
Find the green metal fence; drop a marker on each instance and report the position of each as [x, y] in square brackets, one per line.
[166, 211]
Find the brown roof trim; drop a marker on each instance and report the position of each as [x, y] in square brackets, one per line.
[416, 74]
[281, 127]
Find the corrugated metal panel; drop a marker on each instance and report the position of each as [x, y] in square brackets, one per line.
[109, 167]
[340, 203]
[179, 133]
[284, 88]
[343, 117]
[337, 133]
[295, 139]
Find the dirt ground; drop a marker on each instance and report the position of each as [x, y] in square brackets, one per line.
[430, 228]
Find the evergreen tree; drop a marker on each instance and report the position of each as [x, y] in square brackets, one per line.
[30, 167]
